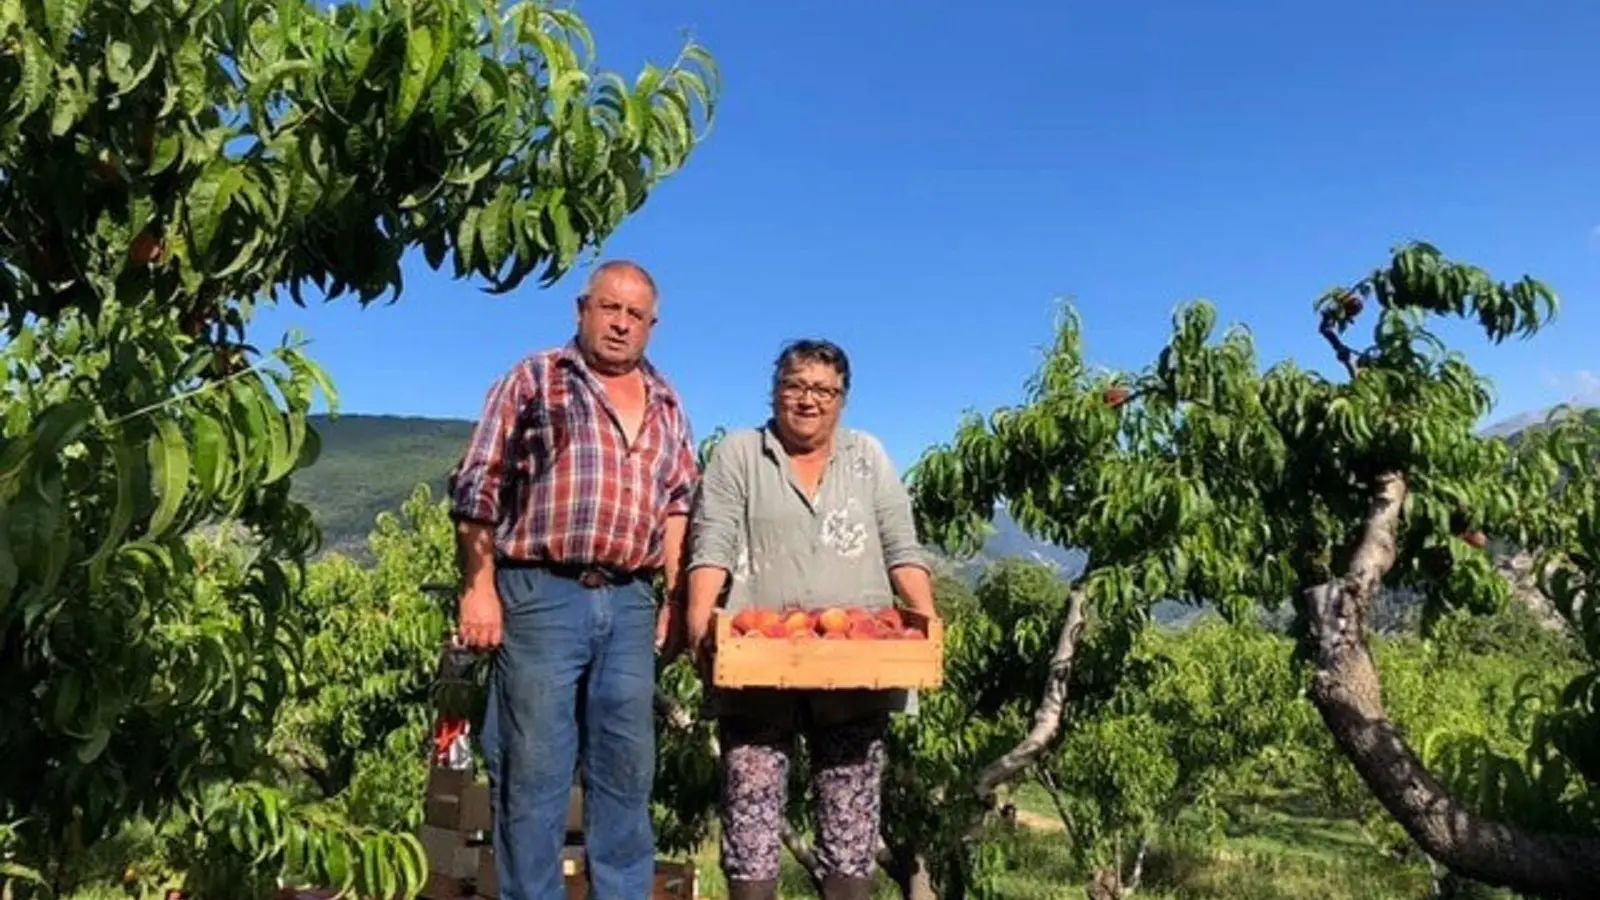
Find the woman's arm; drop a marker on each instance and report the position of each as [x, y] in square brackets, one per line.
[715, 533]
[903, 554]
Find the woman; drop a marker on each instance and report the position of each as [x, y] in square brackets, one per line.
[802, 511]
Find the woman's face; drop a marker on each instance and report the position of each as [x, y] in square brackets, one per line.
[807, 403]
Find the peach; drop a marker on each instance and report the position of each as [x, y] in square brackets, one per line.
[913, 633]
[833, 636]
[863, 630]
[889, 618]
[797, 621]
[744, 621]
[774, 630]
[833, 620]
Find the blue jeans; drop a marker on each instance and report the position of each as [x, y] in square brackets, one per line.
[575, 671]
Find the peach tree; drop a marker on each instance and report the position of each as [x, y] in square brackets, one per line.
[1204, 479]
[167, 168]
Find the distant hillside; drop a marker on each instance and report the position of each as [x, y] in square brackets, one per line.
[372, 463]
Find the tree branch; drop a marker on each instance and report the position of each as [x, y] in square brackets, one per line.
[1346, 356]
[801, 850]
[1052, 706]
[678, 717]
[1347, 693]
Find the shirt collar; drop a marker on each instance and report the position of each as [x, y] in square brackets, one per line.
[843, 439]
[654, 385]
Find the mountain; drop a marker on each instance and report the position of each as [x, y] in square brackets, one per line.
[370, 464]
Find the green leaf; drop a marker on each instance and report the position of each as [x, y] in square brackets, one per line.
[210, 454]
[61, 18]
[38, 73]
[96, 745]
[208, 201]
[414, 77]
[125, 472]
[169, 465]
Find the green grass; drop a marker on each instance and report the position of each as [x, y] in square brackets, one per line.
[1275, 847]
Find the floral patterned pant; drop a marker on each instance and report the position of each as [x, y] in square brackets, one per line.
[847, 762]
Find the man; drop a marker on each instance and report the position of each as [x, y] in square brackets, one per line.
[572, 496]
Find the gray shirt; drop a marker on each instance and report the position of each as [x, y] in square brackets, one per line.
[782, 548]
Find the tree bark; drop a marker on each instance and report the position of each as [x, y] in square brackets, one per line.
[908, 869]
[801, 850]
[1052, 706]
[1346, 691]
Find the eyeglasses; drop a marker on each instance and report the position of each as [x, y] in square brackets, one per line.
[790, 390]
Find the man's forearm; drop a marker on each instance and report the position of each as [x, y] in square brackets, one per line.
[475, 553]
[677, 539]
[914, 587]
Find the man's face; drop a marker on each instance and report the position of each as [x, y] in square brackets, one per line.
[614, 322]
[808, 401]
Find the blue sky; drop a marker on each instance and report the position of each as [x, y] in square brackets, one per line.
[924, 181]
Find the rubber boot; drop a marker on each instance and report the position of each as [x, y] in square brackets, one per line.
[842, 887]
[753, 890]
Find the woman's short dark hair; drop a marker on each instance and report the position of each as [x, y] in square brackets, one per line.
[812, 350]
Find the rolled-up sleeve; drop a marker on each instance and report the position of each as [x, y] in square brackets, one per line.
[897, 529]
[476, 484]
[719, 504]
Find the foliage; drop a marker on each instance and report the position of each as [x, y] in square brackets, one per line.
[1198, 713]
[1204, 479]
[997, 645]
[359, 727]
[164, 168]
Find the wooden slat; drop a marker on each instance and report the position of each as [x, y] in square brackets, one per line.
[675, 881]
[572, 869]
[450, 852]
[822, 664]
[458, 801]
[444, 887]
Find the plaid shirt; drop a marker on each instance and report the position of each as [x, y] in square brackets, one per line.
[549, 467]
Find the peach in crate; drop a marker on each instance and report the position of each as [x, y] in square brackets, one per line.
[858, 648]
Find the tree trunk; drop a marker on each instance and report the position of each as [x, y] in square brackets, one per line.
[801, 850]
[1346, 691]
[1052, 708]
[908, 869]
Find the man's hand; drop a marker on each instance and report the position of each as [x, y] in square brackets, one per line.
[669, 632]
[479, 617]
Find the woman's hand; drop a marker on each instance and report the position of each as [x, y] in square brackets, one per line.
[700, 616]
[699, 637]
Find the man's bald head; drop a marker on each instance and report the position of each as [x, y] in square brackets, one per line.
[614, 270]
[616, 311]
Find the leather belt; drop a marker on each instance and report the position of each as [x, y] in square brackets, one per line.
[591, 576]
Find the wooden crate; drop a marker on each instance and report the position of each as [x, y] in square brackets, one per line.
[572, 872]
[458, 801]
[817, 663]
[451, 854]
[675, 881]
